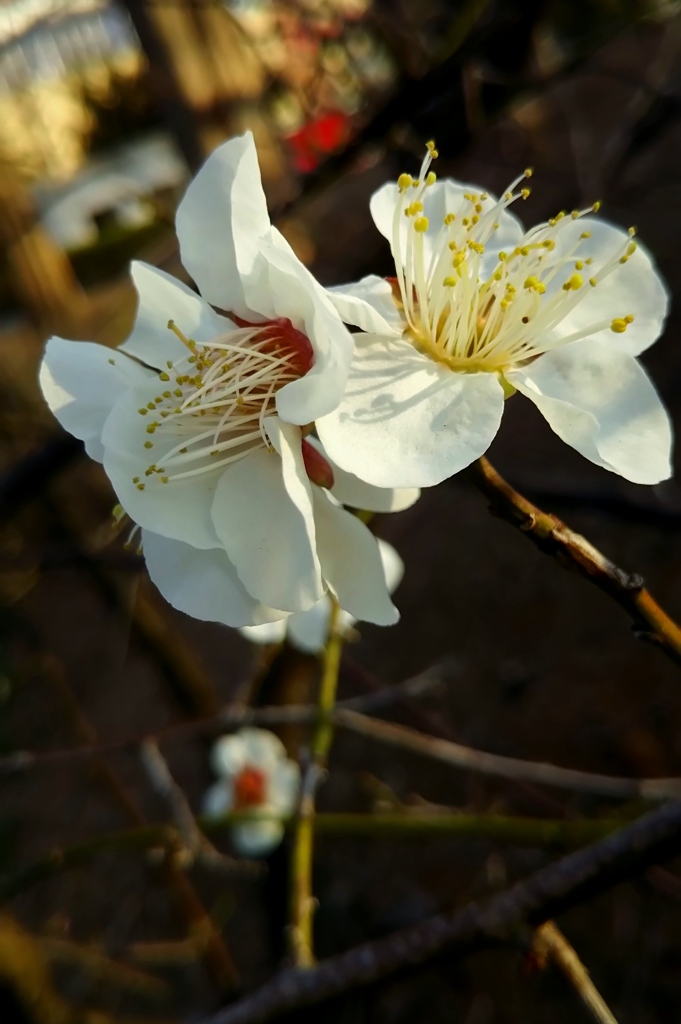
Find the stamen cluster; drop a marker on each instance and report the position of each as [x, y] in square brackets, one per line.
[216, 401]
[461, 313]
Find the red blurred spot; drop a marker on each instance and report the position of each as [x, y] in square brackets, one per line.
[317, 468]
[317, 138]
[284, 336]
[249, 788]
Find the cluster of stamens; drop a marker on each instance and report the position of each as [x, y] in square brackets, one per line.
[472, 322]
[214, 403]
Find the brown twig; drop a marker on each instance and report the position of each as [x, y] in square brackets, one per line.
[550, 944]
[572, 550]
[557, 887]
[227, 719]
[460, 756]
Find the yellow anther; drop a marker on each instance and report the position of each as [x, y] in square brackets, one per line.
[525, 192]
[575, 214]
[152, 428]
[192, 359]
[632, 230]
[478, 207]
[476, 247]
[421, 225]
[465, 221]
[178, 393]
[589, 261]
[631, 248]
[164, 479]
[596, 206]
[503, 256]
[449, 282]
[431, 178]
[148, 444]
[508, 195]
[585, 234]
[528, 172]
[169, 364]
[166, 394]
[579, 265]
[449, 219]
[135, 479]
[151, 405]
[483, 196]
[143, 412]
[458, 259]
[593, 282]
[629, 319]
[112, 361]
[474, 219]
[415, 183]
[164, 376]
[497, 276]
[549, 244]
[404, 181]
[430, 146]
[619, 325]
[140, 487]
[573, 283]
[505, 303]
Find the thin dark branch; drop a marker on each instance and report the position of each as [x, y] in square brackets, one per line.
[572, 550]
[566, 883]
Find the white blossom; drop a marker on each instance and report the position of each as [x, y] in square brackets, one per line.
[480, 309]
[200, 419]
[256, 777]
[308, 631]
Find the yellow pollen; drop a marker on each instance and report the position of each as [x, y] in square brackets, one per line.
[449, 219]
[629, 319]
[431, 178]
[573, 283]
[528, 172]
[619, 325]
[421, 225]
[404, 181]
[525, 192]
[449, 282]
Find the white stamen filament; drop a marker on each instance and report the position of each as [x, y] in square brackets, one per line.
[473, 323]
[216, 401]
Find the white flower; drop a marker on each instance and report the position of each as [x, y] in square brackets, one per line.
[308, 631]
[200, 420]
[480, 309]
[255, 776]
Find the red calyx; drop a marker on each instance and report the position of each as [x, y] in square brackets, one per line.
[284, 336]
[319, 471]
[249, 788]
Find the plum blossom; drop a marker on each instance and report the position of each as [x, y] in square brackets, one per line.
[256, 777]
[480, 309]
[200, 418]
[308, 630]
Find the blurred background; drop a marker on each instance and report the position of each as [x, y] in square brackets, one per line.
[106, 109]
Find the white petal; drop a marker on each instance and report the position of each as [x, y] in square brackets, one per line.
[308, 631]
[351, 563]
[262, 749]
[218, 799]
[219, 222]
[369, 305]
[263, 516]
[257, 838]
[267, 632]
[180, 509]
[287, 289]
[406, 421]
[284, 787]
[393, 566]
[81, 382]
[228, 756]
[163, 298]
[633, 288]
[350, 490]
[602, 403]
[204, 584]
[445, 196]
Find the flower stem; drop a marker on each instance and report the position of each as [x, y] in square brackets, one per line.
[301, 898]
